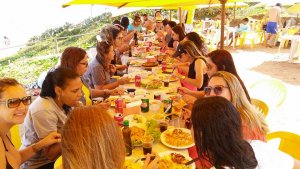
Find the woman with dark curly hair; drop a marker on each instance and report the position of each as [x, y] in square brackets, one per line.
[198, 41]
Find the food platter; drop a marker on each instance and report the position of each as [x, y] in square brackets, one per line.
[171, 79]
[149, 64]
[171, 159]
[177, 138]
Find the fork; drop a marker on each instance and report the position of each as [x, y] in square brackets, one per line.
[143, 159]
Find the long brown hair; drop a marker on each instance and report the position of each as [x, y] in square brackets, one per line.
[103, 48]
[251, 117]
[91, 139]
[224, 62]
[217, 133]
[71, 57]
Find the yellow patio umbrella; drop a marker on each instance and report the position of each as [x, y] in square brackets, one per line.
[294, 9]
[158, 3]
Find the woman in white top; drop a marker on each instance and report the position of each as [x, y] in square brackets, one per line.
[218, 138]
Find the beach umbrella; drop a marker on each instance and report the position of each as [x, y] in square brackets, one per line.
[159, 3]
[294, 9]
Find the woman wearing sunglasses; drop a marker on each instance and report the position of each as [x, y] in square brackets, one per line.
[13, 107]
[77, 59]
[217, 60]
[218, 135]
[254, 126]
[197, 78]
[61, 90]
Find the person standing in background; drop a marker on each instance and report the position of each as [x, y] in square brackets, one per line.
[274, 20]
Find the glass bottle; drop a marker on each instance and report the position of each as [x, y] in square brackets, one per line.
[127, 139]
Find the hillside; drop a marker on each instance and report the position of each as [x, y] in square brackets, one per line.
[42, 51]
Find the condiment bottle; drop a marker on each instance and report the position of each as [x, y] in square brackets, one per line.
[126, 136]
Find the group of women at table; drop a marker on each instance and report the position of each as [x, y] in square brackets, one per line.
[228, 131]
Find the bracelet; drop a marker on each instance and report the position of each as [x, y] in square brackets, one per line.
[34, 148]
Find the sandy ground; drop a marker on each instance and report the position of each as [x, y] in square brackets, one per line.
[261, 63]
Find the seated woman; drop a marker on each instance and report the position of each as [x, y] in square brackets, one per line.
[114, 35]
[100, 70]
[61, 90]
[219, 139]
[92, 139]
[198, 41]
[77, 59]
[196, 78]
[177, 36]
[217, 60]
[14, 104]
[254, 126]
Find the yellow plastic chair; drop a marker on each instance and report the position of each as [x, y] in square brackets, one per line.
[260, 106]
[251, 36]
[15, 136]
[289, 142]
[58, 163]
[273, 92]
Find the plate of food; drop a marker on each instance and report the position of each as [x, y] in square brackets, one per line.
[131, 164]
[177, 138]
[112, 100]
[152, 84]
[171, 79]
[171, 159]
[136, 63]
[135, 120]
[136, 135]
[149, 64]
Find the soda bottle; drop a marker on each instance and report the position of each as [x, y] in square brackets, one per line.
[136, 43]
[130, 52]
[127, 139]
[145, 105]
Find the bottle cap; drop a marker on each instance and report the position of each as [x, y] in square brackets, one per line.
[125, 123]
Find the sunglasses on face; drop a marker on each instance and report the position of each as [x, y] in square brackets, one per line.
[15, 102]
[84, 63]
[217, 90]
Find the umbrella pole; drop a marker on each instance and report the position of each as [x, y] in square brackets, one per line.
[234, 10]
[170, 14]
[180, 16]
[223, 2]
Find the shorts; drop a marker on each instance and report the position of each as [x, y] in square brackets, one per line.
[271, 27]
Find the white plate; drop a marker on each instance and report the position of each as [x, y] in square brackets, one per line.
[163, 138]
[188, 158]
[139, 123]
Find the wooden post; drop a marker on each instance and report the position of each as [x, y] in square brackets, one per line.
[223, 2]
[56, 45]
[234, 10]
[180, 15]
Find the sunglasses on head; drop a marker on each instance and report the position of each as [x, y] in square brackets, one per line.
[15, 102]
[217, 90]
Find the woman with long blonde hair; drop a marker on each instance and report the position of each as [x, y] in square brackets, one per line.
[227, 85]
[91, 139]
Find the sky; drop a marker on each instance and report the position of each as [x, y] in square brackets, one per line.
[22, 19]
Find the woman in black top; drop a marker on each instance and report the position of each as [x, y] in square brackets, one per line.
[187, 52]
[14, 104]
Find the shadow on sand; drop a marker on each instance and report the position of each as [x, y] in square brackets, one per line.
[282, 70]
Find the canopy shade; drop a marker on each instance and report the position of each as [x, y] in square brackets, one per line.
[294, 9]
[146, 3]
